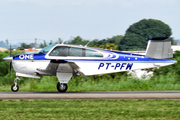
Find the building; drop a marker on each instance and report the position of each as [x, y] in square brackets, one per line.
[2, 49]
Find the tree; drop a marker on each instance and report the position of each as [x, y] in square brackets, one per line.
[3, 64]
[133, 41]
[43, 45]
[60, 41]
[24, 46]
[137, 35]
[51, 42]
[108, 46]
[78, 41]
[115, 40]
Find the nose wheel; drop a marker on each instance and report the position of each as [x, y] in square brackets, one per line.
[15, 87]
[62, 87]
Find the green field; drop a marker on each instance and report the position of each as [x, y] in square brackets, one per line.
[90, 109]
[120, 82]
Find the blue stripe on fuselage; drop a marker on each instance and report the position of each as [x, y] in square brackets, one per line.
[121, 57]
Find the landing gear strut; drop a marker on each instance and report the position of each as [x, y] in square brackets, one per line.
[15, 87]
[62, 87]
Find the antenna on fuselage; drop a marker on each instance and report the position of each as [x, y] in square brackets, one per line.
[88, 42]
[65, 39]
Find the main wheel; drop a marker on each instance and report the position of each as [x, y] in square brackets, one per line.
[62, 87]
[14, 88]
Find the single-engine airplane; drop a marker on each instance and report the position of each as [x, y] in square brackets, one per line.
[65, 61]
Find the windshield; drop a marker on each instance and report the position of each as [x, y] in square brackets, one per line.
[47, 49]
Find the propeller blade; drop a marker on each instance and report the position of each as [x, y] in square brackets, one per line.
[10, 64]
[10, 51]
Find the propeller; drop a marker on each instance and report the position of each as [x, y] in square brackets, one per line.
[10, 64]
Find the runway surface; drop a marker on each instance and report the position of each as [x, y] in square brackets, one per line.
[91, 95]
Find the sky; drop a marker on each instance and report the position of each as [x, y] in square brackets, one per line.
[25, 20]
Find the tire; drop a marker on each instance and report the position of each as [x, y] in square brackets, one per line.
[62, 88]
[14, 89]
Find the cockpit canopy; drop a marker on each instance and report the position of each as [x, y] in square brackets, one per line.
[47, 49]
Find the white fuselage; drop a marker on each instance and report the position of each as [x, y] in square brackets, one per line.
[87, 67]
[86, 61]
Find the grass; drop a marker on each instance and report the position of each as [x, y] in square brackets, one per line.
[112, 82]
[90, 109]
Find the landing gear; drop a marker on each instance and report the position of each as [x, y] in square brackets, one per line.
[62, 87]
[15, 87]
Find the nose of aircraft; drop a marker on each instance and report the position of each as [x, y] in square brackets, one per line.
[9, 59]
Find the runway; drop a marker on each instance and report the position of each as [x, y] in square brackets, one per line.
[175, 95]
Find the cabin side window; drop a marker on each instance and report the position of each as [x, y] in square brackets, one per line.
[60, 51]
[76, 52]
[92, 53]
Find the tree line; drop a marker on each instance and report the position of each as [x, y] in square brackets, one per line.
[135, 38]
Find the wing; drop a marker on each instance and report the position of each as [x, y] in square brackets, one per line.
[77, 70]
[60, 66]
[51, 67]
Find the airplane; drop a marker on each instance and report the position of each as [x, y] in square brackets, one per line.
[65, 61]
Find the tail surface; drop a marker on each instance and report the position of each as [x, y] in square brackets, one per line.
[159, 48]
